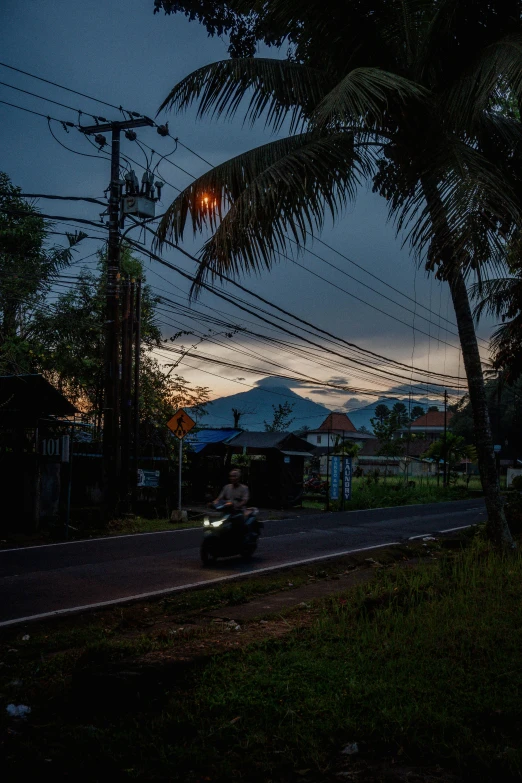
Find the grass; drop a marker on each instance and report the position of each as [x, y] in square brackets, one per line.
[422, 664]
[392, 491]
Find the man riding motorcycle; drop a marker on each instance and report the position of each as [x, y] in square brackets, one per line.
[238, 531]
[235, 493]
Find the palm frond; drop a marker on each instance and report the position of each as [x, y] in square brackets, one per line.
[496, 296]
[476, 90]
[473, 199]
[364, 93]
[279, 88]
[289, 197]
[206, 200]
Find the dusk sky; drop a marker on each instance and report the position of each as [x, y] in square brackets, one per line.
[122, 53]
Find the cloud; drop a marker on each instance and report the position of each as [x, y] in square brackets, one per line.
[286, 383]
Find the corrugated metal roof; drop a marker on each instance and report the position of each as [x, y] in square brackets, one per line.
[198, 440]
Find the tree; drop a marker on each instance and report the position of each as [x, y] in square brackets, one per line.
[68, 338]
[433, 409]
[364, 430]
[346, 447]
[389, 445]
[281, 421]
[238, 413]
[27, 270]
[382, 412]
[400, 412]
[404, 94]
[454, 447]
[417, 411]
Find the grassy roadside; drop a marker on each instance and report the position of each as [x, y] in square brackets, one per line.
[420, 667]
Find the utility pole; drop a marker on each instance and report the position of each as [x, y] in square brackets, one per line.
[126, 391]
[444, 480]
[111, 417]
[136, 411]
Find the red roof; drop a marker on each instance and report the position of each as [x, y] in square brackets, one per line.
[337, 421]
[432, 419]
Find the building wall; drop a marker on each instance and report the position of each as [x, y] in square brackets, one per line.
[330, 439]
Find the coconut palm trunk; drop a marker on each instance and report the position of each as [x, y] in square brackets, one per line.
[452, 270]
[497, 525]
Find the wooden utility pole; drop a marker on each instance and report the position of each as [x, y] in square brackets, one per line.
[111, 408]
[445, 474]
[136, 406]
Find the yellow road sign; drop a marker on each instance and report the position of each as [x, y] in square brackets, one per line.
[181, 424]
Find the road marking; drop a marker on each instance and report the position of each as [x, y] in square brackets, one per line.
[192, 586]
[440, 532]
[198, 527]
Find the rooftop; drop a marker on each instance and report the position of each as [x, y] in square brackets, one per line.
[271, 440]
[336, 422]
[198, 440]
[432, 419]
[33, 396]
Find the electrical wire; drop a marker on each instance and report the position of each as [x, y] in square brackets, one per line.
[38, 114]
[279, 309]
[62, 87]
[235, 303]
[50, 100]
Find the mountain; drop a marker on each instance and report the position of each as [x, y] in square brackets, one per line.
[257, 406]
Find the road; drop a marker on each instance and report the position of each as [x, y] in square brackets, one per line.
[58, 578]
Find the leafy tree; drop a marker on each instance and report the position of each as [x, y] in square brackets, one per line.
[69, 337]
[400, 412]
[281, 421]
[433, 409]
[27, 269]
[382, 412]
[364, 430]
[404, 94]
[417, 411]
[345, 447]
[389, 445]
[455, 448]
[68, 343]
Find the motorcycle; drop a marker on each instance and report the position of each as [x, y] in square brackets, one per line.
[316, 485]
[232, 534]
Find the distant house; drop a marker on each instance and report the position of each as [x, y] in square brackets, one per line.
[276, 479]
[411, 457]
[335, 429]
[430, 424]
[274, 475]
[368, 460]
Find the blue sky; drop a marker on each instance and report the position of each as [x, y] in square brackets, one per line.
[123, 53]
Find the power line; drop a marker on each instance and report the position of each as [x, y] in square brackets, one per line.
[50, 100]
[64, 198]
[38, 114]
[235, 303]
[279, 309]
[371, 274]
[62, 87]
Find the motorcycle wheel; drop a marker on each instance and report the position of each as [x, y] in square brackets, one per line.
[208, 555]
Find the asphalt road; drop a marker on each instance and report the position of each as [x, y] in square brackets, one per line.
[63, 577]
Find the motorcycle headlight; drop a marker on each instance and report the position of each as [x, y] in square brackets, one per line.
[206, 521]
[218, 522]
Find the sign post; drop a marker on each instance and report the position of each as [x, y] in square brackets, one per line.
[347, 478]
[334, 484]
[180, 424]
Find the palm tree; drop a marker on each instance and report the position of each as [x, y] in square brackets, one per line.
[454, 447]
[406, 94]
